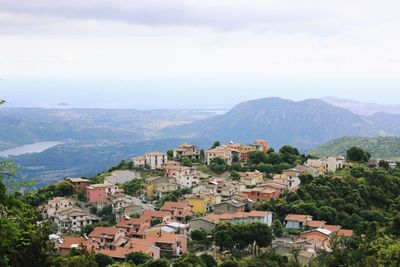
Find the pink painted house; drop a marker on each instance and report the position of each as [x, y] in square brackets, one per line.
[99, 192]
[169, 244]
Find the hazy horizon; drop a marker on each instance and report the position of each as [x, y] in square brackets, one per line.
[181, 54]
[183, 93]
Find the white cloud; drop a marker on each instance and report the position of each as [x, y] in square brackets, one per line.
[200, 38]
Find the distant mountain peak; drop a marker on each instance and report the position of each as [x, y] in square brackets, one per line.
[304, 124]
[361, 108]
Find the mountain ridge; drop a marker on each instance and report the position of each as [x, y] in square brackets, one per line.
[304, 124]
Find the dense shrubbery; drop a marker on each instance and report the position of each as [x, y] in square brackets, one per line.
[59, 189]
[240, 236]
[358, 199]
[133, 187]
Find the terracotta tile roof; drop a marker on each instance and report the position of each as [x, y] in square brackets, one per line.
[257, 213]
[315, 224]
[332, 228]
[93, 186]
[168, 238]
[126, 223]
[121, 252]
[120, 241]
[231, 202]
[117, 253]
[230, 216]
[72, 241]
[153, 238]
[104, 231]
[150, 214]
[72, 211]
[169, 206]
[297, 217]
[345, 232]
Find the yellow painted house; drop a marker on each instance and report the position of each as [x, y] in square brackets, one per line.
[201, 203]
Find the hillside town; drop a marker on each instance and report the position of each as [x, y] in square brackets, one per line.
[183, 192]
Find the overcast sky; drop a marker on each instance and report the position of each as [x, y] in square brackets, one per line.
[199, 54]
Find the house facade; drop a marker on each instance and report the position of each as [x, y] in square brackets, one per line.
[79, 184]
[187, 150]
[99, 192]
[219, 152]
[71, 220]
[263, 217]
[153, 160]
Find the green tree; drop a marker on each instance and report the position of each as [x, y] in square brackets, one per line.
[209, 260]
[357, 154]
[235, 158]
[74, 261]
[198, 235]
[22, 242]
[138, 258]
[132, 187]
[186, 162]
[289, 150]
[189, 260]
[235, 175]
[267, 259]
[103, 260]
[87, 229]
[384, 164]
[277, 228]
[257, 157]
[229, 263]
[395, 226]
[223, 236]
[107, 214]
[260, 233]
[216, 144]
[155, 221]
[170, 154]
[120, 264]
[157, 263]
[218, 165]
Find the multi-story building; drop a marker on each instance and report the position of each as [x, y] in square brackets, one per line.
[134, 227]
[171, 245]
[117, 201]
[187, 150]
[109, 237]
[99, 192]
[202, 203]
[79, 184]
[71, 220]
[251, 178]
[56, 204]
[154, 160]
[222, 152]
[264, 217]
[261, 145]
[179, 210]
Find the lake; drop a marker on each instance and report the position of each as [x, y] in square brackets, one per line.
[29, 148]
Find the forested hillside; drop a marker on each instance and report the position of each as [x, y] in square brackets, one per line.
[379, 147]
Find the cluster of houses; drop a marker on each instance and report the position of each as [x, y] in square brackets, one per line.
[164, 232]
[166, 238]
[315, 236]
[157, 160]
